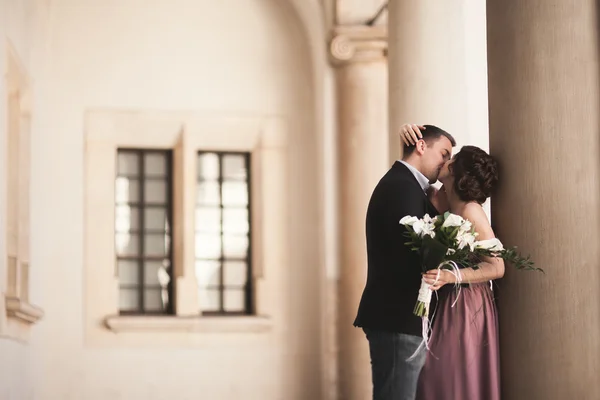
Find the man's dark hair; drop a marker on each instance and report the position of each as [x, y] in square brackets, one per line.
[430, 135]
[475, 174]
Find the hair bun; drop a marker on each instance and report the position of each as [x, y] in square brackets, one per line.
[475, 174]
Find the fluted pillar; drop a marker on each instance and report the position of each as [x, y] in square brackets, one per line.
[361, 76]
[544, 128]
[437, 63]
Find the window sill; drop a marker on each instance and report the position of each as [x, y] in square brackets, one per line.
[23, 311]
[245, 324]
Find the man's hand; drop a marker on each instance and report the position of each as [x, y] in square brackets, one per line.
[411, 133]
[437, 281]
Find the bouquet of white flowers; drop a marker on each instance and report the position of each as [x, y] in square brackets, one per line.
[447, 241]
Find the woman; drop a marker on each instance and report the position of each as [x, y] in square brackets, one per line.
[463, 362]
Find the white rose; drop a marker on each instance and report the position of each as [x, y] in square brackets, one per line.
[453, 220]
[408, 220]
[490, 244]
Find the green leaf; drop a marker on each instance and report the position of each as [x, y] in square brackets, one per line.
[432, 253]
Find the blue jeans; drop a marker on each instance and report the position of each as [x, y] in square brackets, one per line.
[394, 378]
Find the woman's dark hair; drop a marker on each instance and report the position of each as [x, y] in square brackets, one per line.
[475, 174]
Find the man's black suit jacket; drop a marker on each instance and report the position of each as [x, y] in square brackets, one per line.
[394, 270]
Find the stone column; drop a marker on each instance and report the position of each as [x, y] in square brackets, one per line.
[544, 129]
[437, 62]
[359, 55]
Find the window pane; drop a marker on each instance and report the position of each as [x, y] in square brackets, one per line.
[208, 299]
[128, 164]
[128, 272]
[143, 231]
[208, 166]
[155, 192]
[155, 164]
[235, 246]
[128, 300]
[156, 244]
[235, 220]
[156, 299]
[234, 167]
[235, 193]
[235, 273]
[209, 193]
[208, 246]
[127, 218]
[208, 273]
[208, 219]
[127, 190]
[156, 273]
[234, 300]
[155, 219]
[127, 244]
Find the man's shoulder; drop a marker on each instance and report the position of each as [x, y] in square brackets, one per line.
[398, 173]
[399, 180]
[397, 191]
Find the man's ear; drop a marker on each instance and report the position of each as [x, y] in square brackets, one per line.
[421, 146]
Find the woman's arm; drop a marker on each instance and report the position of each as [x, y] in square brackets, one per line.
[490, 268]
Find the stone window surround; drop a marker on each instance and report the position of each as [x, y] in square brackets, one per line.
[185, 133]
[19, 314]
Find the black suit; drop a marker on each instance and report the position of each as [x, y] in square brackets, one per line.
[394, 270]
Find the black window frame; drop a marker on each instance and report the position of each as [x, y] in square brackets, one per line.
[142, 206]
[249, 303]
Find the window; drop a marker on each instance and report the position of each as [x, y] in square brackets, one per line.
[16, 176]
[223, 259]
[185, 225]
[143, 231]
[17, 159]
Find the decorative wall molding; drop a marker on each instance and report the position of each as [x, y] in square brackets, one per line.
[22, 310]
[358, 43]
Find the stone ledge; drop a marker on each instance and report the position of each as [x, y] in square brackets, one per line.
[22, 310]
[195, 324]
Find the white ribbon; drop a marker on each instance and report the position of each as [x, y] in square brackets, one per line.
[456, 272]
[424, 292]
[425, 296]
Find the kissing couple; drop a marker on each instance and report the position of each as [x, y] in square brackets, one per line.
[462, 361]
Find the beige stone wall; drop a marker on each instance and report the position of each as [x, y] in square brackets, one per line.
[22, 28]
[232, 60]
[438, 74]
[438, 70]
[264, 65]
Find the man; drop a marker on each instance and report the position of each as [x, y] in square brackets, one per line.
[394, 271]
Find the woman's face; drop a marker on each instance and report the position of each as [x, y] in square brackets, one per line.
[446, 176]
